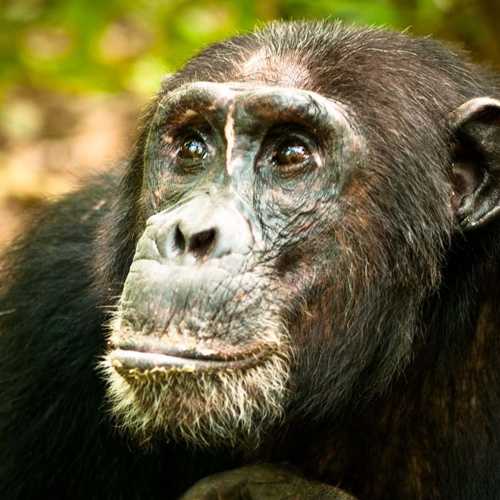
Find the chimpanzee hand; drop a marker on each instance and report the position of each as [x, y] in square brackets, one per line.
[262, 482]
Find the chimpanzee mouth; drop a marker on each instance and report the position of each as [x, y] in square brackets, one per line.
[138, 357]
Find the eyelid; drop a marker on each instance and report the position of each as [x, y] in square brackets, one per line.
[294, 132]
[183, 133]
[299, 136]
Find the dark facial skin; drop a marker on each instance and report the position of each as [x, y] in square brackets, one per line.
[243, 170]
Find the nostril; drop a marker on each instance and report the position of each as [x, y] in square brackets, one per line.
[179, 240]
[201, 243]
[176, 242]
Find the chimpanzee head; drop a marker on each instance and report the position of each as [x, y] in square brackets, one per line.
[296, 192]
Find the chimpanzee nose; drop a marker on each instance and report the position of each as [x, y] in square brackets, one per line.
[199, 244]
[202, 229]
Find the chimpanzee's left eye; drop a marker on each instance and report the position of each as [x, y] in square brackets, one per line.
[291, 153]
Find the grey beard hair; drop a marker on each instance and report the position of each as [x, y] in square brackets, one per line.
[223, 408]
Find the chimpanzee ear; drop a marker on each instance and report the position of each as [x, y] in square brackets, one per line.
[476, 164]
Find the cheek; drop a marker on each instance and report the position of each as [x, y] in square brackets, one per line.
[295, 215]
[162, 189]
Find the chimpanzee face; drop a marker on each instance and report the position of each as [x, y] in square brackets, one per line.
[242, 184]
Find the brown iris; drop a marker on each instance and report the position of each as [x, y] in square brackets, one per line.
[291, 153]
[193, 148]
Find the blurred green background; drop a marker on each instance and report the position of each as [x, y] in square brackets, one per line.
[75, 73]
[117, 45]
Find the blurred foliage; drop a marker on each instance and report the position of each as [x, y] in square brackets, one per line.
[116, 45]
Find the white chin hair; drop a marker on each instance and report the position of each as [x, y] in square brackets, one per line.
[222, 408]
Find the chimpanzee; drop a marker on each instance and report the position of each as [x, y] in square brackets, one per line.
[289, 290]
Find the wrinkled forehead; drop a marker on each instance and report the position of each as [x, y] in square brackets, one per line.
[258, 103]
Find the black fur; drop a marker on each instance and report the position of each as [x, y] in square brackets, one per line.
[420, 421]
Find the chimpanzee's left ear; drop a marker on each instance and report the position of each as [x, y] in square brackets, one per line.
[476, 166]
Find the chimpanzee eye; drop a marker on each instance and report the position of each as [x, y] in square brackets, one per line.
[193, 148]
[291, 153]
